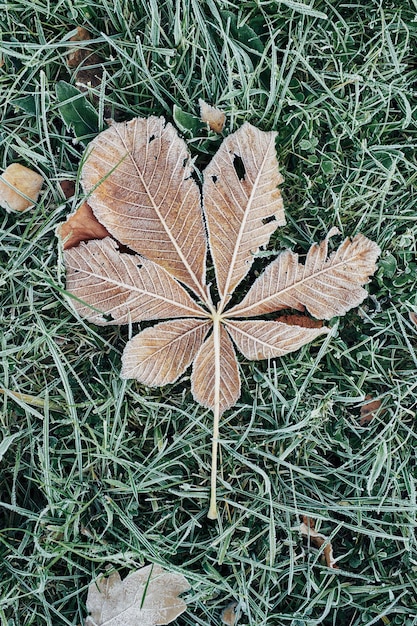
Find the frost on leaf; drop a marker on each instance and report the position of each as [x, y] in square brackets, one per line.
[138, 177]
[148, 597]
[19, 187]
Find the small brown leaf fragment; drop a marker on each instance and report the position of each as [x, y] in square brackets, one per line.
[300, 320]
[413, 317]
[307, 529]
[19, 187]
[81, 226]
[231, 614]
[68, 188]
[212, 116]
[369, 409]
[82, 58]
[147, 597]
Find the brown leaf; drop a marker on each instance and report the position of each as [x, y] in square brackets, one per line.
[82, 225]
[138, 176]
[123, 287]
[369, 409]
[212, 116]
[19, 187]
[146, 167]
[147, 597]
[413, 317]
[82, 58]
[239, 205]
[259, 339]
[230, 615]
[324, 286]
[307, 529]
[159, 355]
[216, 373]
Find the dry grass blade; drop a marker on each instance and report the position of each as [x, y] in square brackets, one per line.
[240, 193]
[258, 339]
[107, 282]
[325, 286]
[138, 175]
[159, 355]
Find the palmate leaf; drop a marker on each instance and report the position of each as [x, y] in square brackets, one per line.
[138, 177]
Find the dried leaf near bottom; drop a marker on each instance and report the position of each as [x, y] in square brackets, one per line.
[308, 530]
[139, 180]
[147, 597]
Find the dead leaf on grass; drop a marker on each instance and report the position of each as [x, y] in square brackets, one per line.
[84, 61]
[369, 409]
[147, 597]
[308, 529]
[139, 180]
[19, 187]
[81, 225]
[212, 116]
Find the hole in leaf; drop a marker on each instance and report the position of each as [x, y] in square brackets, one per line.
[214, 179]
[269, 219]
[108, 317]
[151, 138]
[239, 167]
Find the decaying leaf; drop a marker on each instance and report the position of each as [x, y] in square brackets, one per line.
[213, 117]
[369, 409]
[230, 615]
[19, 187]
[83, 60]
[139, 180]
[308, 529]
[81, 225]
[413, 317]
[147, 597]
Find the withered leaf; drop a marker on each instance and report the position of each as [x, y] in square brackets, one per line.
[369, 409]
[82, 225]
[83, 60]
[212, 116]
[139, 180]
[19, 187]
[308, 529]
[147, 597]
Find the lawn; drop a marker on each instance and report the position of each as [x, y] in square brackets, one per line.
[97, 472]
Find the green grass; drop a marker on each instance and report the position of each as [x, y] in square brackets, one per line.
[99, 472]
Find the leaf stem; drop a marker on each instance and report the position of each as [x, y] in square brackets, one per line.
[212, 514]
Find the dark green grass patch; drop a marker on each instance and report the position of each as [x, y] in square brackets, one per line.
[98, 472]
